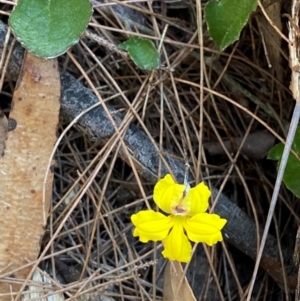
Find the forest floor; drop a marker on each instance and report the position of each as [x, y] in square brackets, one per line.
[227, 109]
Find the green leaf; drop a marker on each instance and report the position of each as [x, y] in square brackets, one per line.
[226, 19]
[291, 176]
[276, 152]
[48, 28]
[142, 52]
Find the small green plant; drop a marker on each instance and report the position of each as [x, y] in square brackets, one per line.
[48, 28]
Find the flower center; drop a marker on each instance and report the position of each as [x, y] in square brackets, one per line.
[179, 210]
[182, 205]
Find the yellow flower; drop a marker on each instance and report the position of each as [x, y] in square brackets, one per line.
[186, 219]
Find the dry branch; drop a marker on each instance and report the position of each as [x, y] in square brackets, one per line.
[240, 230]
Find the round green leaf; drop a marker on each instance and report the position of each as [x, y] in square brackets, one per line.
[48, 28]
[142, 52]
[226, 19]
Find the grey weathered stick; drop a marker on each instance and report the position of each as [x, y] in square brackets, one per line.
[240, 230]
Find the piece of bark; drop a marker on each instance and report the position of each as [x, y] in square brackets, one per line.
[240, 230]
[23, 213]
[256, 146]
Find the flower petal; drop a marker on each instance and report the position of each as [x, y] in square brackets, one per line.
[199, 196]
[151, 225]
[176, 245]
[204, 227]
[167, 193]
